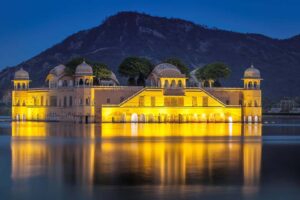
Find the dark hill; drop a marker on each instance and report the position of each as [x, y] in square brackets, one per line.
[128, 33]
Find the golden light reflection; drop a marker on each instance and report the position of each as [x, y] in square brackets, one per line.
[181, 130]
[161, 162]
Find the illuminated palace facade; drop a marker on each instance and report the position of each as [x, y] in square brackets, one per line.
[168, 97]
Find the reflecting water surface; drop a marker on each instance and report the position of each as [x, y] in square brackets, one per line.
[147, 161]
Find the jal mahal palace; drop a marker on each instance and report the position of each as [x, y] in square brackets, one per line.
[169, 97]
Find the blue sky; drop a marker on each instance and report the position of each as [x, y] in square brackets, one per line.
[28, 27]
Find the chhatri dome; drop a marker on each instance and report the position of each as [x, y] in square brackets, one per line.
[167, 70]
[21, 74]
[58, 70]
[252, 72]
[84, 69]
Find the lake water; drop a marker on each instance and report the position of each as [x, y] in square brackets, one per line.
[150, 161]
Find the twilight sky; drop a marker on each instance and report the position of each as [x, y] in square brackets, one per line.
[28, 27]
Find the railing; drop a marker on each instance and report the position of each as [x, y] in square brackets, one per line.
[174, 91]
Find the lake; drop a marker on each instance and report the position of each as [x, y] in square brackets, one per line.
[150, 161]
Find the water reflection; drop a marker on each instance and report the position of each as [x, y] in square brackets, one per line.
[109, 130]
[89, 155]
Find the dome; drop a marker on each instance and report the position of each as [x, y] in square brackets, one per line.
[21, 74]
[252, 72]
[84, 69]
[58, 70]
[114, 77]
[167, 70]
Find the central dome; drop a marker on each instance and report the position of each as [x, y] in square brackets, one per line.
[167, 70]
[84, 69]
[252, 72]
[58, 70]
[21, 74]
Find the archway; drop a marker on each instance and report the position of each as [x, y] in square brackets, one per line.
[180, 83]
[123, 117]
[151, 118]
[166, 85]
[249, 119]
[142, 118]
[255, 85]
[173, 84]
[134, 118]
[255, 118]
[80, 82]
[250, 85]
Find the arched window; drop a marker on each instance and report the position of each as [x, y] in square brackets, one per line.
[65, 83]
[179, 83]
[80, 82]
[23, 86]
[18, 86]
[166, 84]
[249, 103]
[173, 84]
[250, 85]
[255, 85]
[34, 101]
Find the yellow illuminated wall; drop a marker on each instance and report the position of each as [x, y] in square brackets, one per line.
[135, 104]
[150, 106]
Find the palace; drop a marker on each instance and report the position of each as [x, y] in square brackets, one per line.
[168, 97]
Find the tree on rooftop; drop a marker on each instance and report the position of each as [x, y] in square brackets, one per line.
[100, 70]
[212, 73]
[135, 67]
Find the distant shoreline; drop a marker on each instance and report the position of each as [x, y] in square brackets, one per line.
[281, 114]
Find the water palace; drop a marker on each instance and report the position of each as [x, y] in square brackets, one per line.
[168, 97]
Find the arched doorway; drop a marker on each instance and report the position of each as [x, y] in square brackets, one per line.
[142, 118]
[249, 119]
[134, 118]
[255, 118]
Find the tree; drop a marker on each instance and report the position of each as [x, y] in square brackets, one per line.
[212, 73]
[133, 67]
[100, 70]
[72, 64]
[179, 64]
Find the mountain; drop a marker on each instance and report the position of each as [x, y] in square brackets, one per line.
[157, 38]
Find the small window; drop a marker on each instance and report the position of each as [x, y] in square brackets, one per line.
[194, 101]
[141, 101]
[70, 101]
[42, 100]
[108, 100]
[152, 101]
[65, 101]
[53, 101]
[204, 101]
